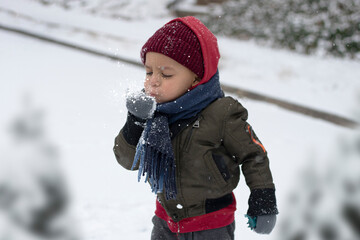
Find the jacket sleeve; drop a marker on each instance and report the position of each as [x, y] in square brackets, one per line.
[241, 141]
[126, 141]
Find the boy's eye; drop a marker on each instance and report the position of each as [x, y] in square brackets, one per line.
[148, 73]
[166, 76]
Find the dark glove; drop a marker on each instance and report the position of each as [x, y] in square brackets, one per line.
[262, 210]
[140, 105]
[263, 224]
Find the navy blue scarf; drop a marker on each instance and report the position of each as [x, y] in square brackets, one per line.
[154, 149]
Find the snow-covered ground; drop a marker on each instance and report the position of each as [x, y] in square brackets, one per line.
[83, 100]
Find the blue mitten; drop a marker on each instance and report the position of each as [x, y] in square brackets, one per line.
[140, 105]
[262, 210]
[263, 224]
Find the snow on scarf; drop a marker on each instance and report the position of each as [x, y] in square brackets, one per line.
[154, 149]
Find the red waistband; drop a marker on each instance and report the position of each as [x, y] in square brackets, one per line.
[217, 219]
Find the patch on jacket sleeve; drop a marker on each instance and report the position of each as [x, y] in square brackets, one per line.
[253, 137]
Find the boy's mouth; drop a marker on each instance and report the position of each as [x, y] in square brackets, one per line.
[152, 93]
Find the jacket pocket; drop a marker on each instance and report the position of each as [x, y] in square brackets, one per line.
[220, 175]
[221, 165]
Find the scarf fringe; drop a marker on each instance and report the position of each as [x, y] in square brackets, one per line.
[158, 167]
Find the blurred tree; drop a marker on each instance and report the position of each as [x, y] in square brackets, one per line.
[33, 195]
[325, 203]
[205, 2]
[306, 26]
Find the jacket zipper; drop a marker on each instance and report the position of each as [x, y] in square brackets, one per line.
[196, 123]
[188, 137]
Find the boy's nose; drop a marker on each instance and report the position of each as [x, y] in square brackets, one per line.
[154, 80]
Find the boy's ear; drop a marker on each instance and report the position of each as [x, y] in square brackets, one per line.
[196, 81]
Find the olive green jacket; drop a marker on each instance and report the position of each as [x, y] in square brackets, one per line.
[208, 153]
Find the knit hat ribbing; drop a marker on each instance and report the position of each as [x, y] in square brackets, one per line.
[179, 42]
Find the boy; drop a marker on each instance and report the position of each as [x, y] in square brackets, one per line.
[188, 140]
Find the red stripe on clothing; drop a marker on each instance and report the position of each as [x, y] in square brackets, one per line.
[217, 219]
[254, 140]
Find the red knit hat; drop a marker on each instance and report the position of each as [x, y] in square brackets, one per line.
[177, 41]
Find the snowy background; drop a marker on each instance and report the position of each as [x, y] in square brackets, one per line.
[61, 110]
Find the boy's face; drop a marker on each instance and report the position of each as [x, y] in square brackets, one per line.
[166, 79]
